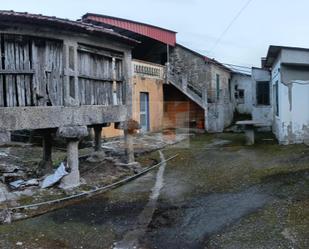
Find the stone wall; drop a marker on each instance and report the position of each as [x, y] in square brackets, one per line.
[188, 66]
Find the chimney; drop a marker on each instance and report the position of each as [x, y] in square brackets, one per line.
[263, 62]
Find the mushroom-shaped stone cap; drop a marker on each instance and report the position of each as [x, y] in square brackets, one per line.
[73, 132]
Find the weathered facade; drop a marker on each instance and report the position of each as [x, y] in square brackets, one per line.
[147, 82]
[148, 68]
[220, 107]
[290, 91]
[61, 76]
[242, 93]
[203, 82]
[262, 111]
[206, 82]
[282, 93]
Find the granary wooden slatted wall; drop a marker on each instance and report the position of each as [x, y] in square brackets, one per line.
[32, 73]
[97, 74]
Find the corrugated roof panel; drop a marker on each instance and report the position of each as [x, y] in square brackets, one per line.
[157, 33]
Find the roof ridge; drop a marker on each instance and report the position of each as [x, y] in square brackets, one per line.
[87, 26]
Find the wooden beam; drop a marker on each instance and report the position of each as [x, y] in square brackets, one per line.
[16, 72]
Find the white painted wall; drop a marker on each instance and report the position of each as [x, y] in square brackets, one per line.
[261, 113]
[245, 83]
[292, 124]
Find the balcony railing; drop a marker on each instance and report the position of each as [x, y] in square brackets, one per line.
[147, 69]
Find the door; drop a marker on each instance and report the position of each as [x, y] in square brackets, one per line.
[144, 111]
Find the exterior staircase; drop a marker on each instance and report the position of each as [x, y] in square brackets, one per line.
[196, 95]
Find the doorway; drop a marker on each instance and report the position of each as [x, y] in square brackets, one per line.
[144, 111]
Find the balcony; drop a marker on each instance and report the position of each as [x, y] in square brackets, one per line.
[148, 70]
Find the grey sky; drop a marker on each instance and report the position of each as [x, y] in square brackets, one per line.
[199, 22]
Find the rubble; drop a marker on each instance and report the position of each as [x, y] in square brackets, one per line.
[22, 184]
[96, 157]
[56, 177]
[3, 192]
[5, 216]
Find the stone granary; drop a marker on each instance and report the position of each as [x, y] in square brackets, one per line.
[61, 76]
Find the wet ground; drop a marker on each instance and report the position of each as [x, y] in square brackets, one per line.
[217, 193]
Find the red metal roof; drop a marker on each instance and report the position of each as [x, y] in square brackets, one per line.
[160, 34]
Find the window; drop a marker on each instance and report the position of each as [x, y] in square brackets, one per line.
[241, 96]
[262, 93]
[218, 86]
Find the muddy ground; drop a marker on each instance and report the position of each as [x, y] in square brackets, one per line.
[21, 161]
[218, 193]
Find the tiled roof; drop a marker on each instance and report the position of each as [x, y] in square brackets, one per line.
[78, 25]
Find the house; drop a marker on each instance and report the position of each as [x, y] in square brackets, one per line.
[60, 76]
[242, 93]
[289, 68]
[206, 82]
[219, 96]
[149, 58]
[262, 111]
[191, 87]
[282, 90]
[185, 94]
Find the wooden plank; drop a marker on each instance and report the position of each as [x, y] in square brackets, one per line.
[82, 91]
[19, 88]
[16, 72]
[41, 76]
[97, 51]
[10, 64]
[25, 92]
[51, 78]
[34, 78]
[1, 77]
[1, 91]
[28, 79]
[88, 77]
[60, 72]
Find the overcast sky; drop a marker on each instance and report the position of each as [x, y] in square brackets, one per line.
[199, 23]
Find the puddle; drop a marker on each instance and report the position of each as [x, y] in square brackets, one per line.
[204, 216]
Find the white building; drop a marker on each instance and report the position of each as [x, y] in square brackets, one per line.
[282, 93]
[242, 92]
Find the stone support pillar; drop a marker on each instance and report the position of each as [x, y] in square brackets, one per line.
[72, 134]
[97, 137]
[129, 149]
[47, 147]
[46, 165]
[249, 133]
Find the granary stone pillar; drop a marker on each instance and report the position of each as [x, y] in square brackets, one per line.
[46, 165]
[72, 134]
[47, 146]
[130, 127]
[129, 149]
[97, 137]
